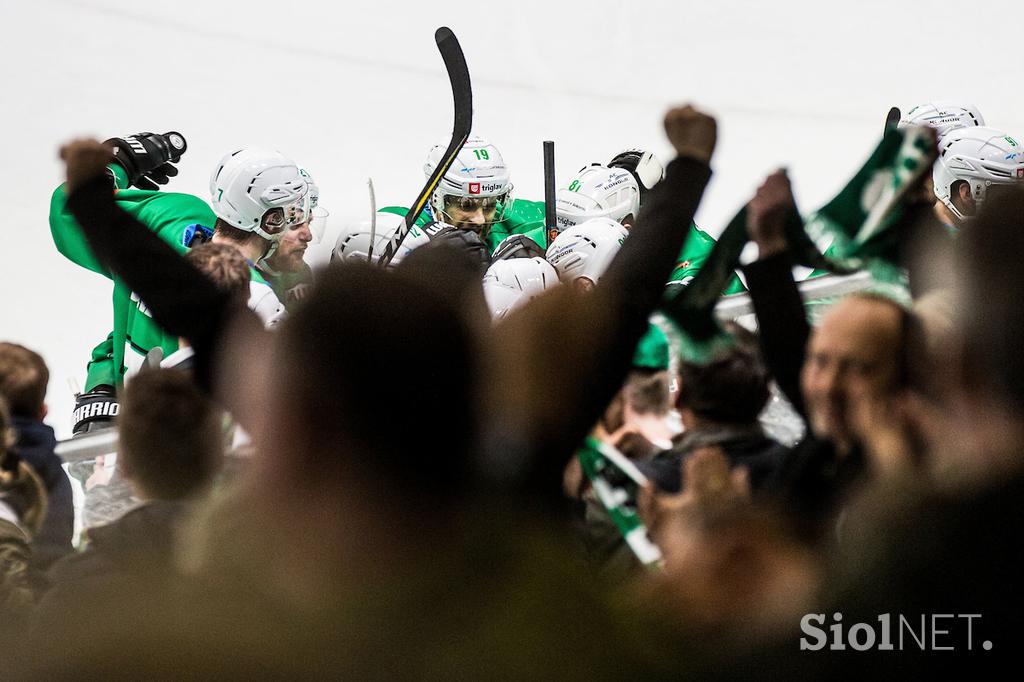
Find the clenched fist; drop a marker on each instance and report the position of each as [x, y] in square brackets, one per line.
[692, 132]
[767, 212]
[84, 159]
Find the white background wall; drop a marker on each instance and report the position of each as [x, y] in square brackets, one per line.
[358, 90]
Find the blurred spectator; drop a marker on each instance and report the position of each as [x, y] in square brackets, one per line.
[22, 510]
[23, 380]
[840, 379]
[719, 403]
[170, 447]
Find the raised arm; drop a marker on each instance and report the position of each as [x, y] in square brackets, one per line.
[782, 322]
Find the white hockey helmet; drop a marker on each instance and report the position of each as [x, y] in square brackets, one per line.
[511, 283]
[354, 240]
[586, 250]
[479, 174]
[979, 156]
[598, 192]
[249, 183]
[944, 116]
[645, 167]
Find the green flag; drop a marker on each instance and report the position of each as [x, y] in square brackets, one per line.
[859, 222]
[615, 481]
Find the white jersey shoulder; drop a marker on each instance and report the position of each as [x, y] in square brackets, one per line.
[264, 302]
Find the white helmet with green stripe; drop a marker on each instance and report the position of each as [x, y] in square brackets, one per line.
[353, 242]
[511, 283]
[598, 192]
[584, 251]
[980, 157]
[944, 116]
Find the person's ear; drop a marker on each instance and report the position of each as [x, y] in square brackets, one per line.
[43, 411]
[964, 190]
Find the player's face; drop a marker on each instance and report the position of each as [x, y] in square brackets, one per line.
[471, 213]
[291, 249]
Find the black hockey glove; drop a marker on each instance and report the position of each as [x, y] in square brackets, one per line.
[517, 246]
[149, 158]
[94, 410]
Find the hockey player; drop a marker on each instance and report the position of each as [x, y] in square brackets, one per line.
[353, 243]
[286, 269]
[476, 194]
[513, 282]
[583, 252]
[249, 221]
[616, 191]
[972, 162]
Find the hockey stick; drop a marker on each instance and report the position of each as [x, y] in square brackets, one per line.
[549, 191]
[373, 220]
[462, 93]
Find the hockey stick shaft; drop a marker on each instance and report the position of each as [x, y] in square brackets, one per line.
[462, 94]
[550, 220]
[373, 220]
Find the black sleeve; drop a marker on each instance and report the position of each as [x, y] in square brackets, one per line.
[180, 297]
[781, 321]
[594, 365]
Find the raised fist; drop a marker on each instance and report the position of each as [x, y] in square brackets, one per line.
[767, 211]
[691, 132]
[84, 160]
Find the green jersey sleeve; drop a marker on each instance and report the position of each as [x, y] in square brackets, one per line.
[422, 219]
[523, 217]
[101, 370]
[170, 216]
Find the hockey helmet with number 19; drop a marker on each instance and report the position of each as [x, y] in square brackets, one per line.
[478, 178]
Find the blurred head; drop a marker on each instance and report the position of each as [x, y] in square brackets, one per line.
[730, 389]
[225, 266]
[853, 354]
[170, 436]
[373, 390]
[23, 380]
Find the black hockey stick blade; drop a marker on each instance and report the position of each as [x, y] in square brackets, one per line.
[462, 93]
[892, 119]
[550, 220]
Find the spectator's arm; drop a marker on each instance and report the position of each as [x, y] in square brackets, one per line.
[780, 310]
